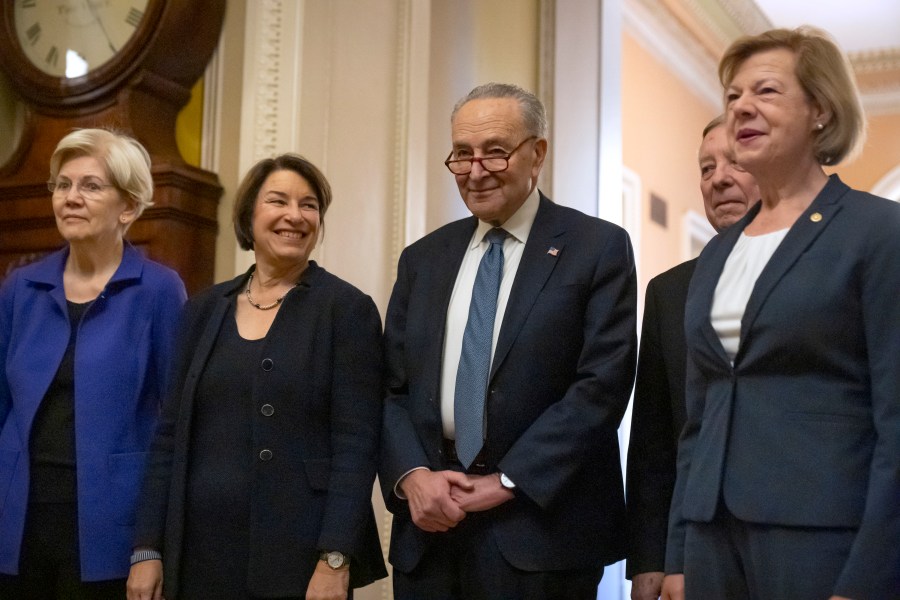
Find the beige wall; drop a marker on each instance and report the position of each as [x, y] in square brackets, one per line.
[661, 125]
[880, 155]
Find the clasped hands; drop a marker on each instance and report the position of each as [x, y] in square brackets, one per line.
[439, 500]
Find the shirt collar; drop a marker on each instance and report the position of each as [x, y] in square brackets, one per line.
[518, 225]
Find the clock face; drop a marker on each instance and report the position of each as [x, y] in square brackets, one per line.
[70, 38]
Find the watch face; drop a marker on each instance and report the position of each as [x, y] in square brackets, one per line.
[69, 38]
[335, 560]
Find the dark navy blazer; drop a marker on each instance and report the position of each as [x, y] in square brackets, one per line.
[559, 384]
[657, 416]
[321, 371]
[804, 429]
[121, 369]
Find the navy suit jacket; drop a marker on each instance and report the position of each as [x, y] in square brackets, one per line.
[558, 387]
[322, 373]
[804, 429]
[657, 417]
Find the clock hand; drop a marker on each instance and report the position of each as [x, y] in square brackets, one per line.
[93, 10]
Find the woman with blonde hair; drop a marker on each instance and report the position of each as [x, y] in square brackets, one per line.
[788, 480]
[85, 339]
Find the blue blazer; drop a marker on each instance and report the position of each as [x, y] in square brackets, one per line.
[804, 429]
[322, 372]
[559, 385]
[121, 366]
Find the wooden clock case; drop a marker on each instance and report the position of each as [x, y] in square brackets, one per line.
[140, 92]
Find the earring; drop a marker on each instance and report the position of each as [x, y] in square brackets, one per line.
[819, 126]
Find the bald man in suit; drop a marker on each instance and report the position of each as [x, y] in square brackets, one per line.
[658, 413]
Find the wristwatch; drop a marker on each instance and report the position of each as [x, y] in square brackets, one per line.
[335, 559]
[507, 482]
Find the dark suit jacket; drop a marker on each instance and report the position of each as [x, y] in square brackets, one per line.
[559, 385]
[322, 373]
[810, 412]
[657, 417]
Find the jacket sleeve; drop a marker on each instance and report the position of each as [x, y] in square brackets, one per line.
[171, 297]
[695, 398]
[6, 317]
[650, 477]
[153, 502]
[356, 403]
[873, 568]
[400, 446]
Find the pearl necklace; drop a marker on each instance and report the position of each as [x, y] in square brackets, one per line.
[258, 306]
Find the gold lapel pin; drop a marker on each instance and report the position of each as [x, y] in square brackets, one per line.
[815, 217]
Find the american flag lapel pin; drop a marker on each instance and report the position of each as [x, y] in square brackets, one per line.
[553, 251]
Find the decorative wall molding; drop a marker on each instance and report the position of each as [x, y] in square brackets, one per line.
[875, 61]
[211, 128]
[632, 201]
[546, 74]
[273, 61]
[749, 19]
[889, 185]
[410, 180]
[697, 232]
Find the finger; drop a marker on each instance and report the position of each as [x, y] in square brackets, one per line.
[459, 479]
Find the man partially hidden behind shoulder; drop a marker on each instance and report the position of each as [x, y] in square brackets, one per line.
[658, 413]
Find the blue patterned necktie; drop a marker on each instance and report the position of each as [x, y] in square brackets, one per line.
[475, 358]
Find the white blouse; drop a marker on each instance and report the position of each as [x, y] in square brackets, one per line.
[742, 268]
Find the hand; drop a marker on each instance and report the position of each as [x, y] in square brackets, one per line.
[428, 493]
[673, 587]
[145, 581]
[485, 493]
[647, 586]
[328, 583]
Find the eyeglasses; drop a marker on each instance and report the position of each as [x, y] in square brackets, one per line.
[87, 189]
[492, 164]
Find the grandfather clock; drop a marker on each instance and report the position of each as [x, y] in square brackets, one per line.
[127, 64]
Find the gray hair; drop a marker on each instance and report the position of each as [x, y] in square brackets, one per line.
[716, 122]
[534, 116]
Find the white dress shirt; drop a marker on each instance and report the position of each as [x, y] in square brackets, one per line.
[742, 268]
[517, 227]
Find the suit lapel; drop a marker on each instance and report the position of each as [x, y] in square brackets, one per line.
[446, 268]
[201, 355]
[442, 270]
[800, 236]
[535, 267]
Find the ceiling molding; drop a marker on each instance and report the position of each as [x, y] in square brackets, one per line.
[885, 102]
[747, 16]
[667, 39]
[689, 36]
[876, 61]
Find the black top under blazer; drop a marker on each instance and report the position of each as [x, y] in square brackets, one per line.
[559, 384]
[657, 417]
[321, 371]
[804, 429]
